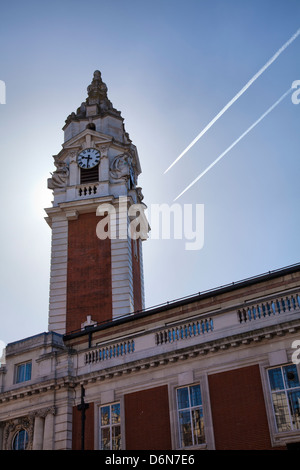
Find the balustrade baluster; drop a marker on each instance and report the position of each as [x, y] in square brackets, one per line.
[249, 314]
[277, 306]
[258, 311]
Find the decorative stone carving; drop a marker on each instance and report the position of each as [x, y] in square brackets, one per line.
[97, 90]
[97, 101]
[45, 411]
[13, 426]
[59, 177]
[139, 194]
[72, 156]
[104, 150]
[122, 168]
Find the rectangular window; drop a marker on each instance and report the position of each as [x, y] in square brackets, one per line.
[110, 427]
[23, 372]
[285, 392]
[190, 416]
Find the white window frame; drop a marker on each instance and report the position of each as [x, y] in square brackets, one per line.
[190, 409]
[285, 390]
[110, 426]
[17, 368]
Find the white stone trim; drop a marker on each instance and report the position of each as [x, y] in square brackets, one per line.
[142, 272]
[58, 275]
[121, 268]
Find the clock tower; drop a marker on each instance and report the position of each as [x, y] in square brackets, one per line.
[96, 260]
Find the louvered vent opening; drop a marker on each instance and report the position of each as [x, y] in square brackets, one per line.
[89, 175]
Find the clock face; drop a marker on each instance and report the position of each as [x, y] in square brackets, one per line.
[88, 158]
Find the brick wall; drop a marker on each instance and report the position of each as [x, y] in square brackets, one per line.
[238, 410]
[89, 290]
[147, 420]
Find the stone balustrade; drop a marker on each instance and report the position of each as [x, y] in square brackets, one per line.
[203, 330]
[85, 190]
[275, 306]
[184, 331]
[108, 352]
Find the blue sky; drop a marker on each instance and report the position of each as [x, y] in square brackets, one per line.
[170, 66]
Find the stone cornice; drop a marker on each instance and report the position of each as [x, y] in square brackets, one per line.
[37, 388]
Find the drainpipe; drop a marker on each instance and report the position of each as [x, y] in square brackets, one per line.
[82, 407]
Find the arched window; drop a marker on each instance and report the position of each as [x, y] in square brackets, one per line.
[20, 441]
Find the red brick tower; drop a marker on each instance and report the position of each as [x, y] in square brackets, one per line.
[96, 266]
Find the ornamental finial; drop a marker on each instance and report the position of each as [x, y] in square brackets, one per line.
[97, 90]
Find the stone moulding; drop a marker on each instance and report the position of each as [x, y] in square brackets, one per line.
[35, 389]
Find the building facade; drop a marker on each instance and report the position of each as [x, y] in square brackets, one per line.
[217, 370]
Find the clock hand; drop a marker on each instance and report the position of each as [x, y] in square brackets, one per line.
[88, 159]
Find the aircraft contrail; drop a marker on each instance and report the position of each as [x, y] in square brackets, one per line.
[235, 142]
[236, 97]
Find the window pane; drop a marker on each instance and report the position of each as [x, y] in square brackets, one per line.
[185, 428]
[276, 380]
[291, 376]
[105, 416]
[21, 373]
[294, 402]
[198, 426]
[116, 438]
[105, 439]
[281, 411]
[195, 395]
[24, 372]
[28, 371]
[21, 440]
[115, 414]
[183, 398]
